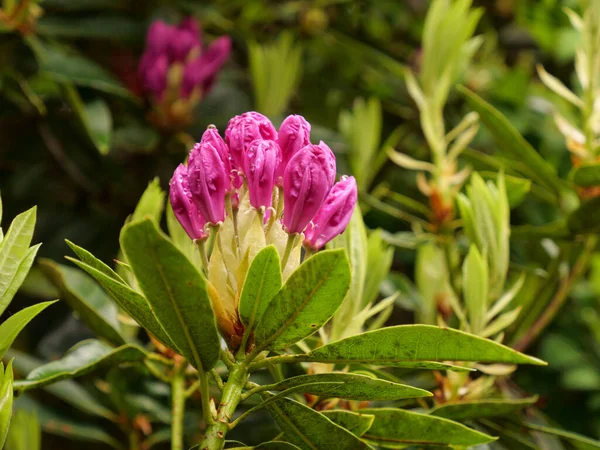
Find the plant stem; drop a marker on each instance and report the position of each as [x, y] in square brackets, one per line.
[178, 393]
[134, 440]
[201, 246]
[205, 394]
[214, 437]
[288, 250]
[561, 295]
[234, 217]
[277, 360]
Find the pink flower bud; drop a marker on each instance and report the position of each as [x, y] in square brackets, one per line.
[333, 216]
[211, 136]
[294, 134]
[243, 130]
[307, 180]
[207, 181]
[159, 37]
[182, 43]
[184, 208]
[261, 161]
[153, 72]
[202, 71]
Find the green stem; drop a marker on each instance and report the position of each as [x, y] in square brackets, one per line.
[205, 394]
[561, 295]
[234, 217]
[134, 440]
[214, 437]
[288, 250]
[178, 401]
[201, 246]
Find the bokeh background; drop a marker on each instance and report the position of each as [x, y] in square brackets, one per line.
[77, 140]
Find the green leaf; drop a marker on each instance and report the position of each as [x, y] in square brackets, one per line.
[311, 430]
[176, 291]
[19, 276]
[403, 343]
[129, 300]
[271, 445]
[67, 390]
[586, 175]
[308, 299]
[151, 203]
[68, 68]
[580, 442]
[25, 432]
[61, 424]
[83, 358]
[351, 386]
[379, 261]
[15, 323]
[355, 423]
[6, 399]
[87, 299]
[512, 144]
[397, 428]
[516, 188]
[97, 26]
[98, 121]
[13, 250]
[475, 287]
[263, 281]
[585, 219]
[481, 408]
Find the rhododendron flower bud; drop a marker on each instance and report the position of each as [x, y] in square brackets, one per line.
[333, 216]
[154, 73]
[261, 161]
[294, 134]
[207, 181]
[307, 180]
[203, 70]
[211, 136]
[243, 130]
[184, 208]
[159, 37]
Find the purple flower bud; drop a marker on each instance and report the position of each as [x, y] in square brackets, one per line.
[182, 43]
[190, 24]
[261, 162]
[307, 180]
[159, 37]
[153, 72]
[294, 134]
[202, 71]
[184, 209]
[212, 137]
[243, 130]
[333, 216]
[207, 181]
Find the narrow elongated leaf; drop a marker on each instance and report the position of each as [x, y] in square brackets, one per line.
[510, 142]
[263, 281]
[6, 400]
[271, 445]
[19, 276]
[586, 175]
[15, 323]
[580, 442]
[308, 299]
[67, 390]
[355, 423]
[311, 430]
[82, 359]
[87, 299]
[351, 386]
[25, 432]
[129, 300]
[175, 290]
[398, 428]
[481, 408]
[72, 428]
[13, 248]
[402, 343]
[585, 219]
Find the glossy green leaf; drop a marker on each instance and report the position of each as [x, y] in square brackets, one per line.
[69, 426]
[578, 441]
[19, 277]
[398, 428]
[379, 261]
[351, 386]
[310, 430]
[6, 399]
[25, 432]
[15, 323]
[176, 291]
[181, 239]
[98, 120]
[308, 299]
[129, 300]
[83, 358]
[67, 390]
[512, 144]
[271, 445]
[403, 343]
[69, 68]
[586, 175]
[356, 423]
[13, 249]
[481, 408]
[92, 305]
[516, 188]
[151, 203]
[263, 281]
[475, 289]
[585, 219]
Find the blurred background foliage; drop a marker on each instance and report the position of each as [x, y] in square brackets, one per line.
[76, 139]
